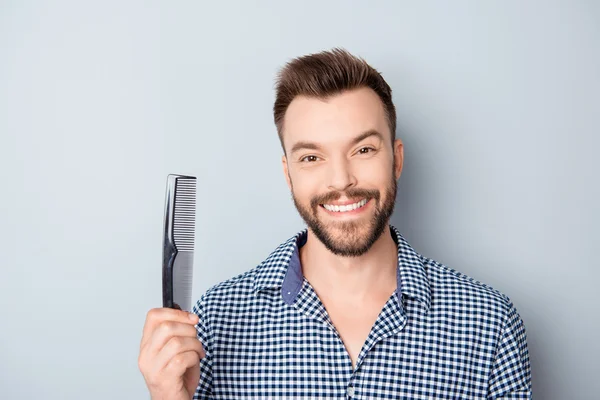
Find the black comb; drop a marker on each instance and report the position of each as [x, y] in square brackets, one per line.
[178, 242]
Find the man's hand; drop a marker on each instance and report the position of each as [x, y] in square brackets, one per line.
[170, 354]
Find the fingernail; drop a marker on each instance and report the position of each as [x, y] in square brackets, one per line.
[193, 317]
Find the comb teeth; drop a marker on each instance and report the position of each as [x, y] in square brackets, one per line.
[184, 214]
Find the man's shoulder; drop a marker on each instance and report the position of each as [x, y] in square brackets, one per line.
[451, 285]
[244, 286]
[239, 286]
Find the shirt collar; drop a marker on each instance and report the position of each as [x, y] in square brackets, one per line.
[282, 270]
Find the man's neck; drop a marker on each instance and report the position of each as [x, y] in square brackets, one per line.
[351, 278]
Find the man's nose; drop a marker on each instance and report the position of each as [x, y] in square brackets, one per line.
[341, 176]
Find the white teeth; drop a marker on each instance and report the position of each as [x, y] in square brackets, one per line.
[345, 208]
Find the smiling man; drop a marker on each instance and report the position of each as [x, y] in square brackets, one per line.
[345, 308]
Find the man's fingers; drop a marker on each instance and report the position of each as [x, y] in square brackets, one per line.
[159, 315]
[174, 349]
[167, 330]
[181, 362]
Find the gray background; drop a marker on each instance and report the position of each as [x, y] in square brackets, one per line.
[498, 106]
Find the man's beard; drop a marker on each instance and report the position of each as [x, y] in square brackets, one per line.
[348, 241]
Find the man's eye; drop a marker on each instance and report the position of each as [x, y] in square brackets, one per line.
[366, 150]
[309, 159]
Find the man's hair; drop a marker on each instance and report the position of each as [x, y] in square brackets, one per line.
[325, 74]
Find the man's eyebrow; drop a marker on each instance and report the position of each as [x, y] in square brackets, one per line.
[305, 146]
[356, 140]
[366, 134]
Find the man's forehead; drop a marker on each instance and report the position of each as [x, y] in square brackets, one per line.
[337, 118]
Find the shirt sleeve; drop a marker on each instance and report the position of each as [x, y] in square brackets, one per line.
[204, 334]
[511, 373]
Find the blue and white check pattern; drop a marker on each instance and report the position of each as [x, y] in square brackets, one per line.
[441, 335]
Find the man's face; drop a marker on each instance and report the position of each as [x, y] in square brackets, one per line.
[342, 168]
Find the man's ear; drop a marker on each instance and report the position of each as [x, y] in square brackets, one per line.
[286, 172]
[398, 157]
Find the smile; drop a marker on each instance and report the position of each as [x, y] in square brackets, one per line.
[345, 208]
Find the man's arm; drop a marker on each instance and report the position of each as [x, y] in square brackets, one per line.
[511, 373]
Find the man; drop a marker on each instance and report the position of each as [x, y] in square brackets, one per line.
[345, 308]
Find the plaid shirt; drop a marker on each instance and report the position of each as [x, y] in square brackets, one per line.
[441, 335]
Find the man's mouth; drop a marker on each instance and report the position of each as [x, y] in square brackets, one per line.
[345, 207]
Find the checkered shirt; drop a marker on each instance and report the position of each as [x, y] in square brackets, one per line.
[441, 335]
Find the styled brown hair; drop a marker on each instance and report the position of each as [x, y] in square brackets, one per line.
[322, 75]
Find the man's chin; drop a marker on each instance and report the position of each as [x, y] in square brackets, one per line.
[341, 230]
[346, 238]
[347, 248]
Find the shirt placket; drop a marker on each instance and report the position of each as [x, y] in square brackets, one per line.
[390, 321]
[310, 305]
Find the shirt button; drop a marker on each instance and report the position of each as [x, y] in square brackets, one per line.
[350, 391]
